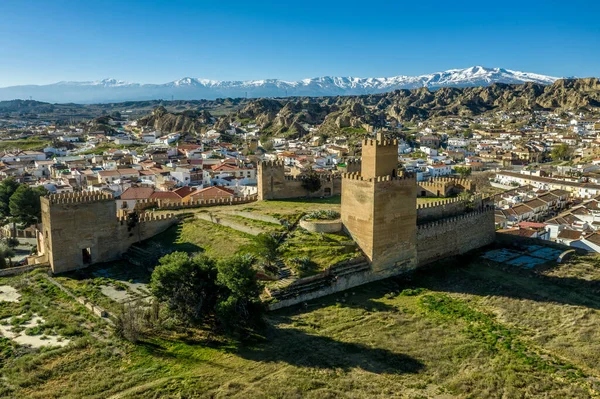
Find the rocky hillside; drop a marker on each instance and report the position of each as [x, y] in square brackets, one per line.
[186, 121]
[290, 117]
[281, 116]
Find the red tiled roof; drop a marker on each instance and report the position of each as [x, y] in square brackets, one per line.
[170, 195]
[532, 225]
[137, 193]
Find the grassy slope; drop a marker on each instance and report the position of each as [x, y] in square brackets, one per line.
[28, 144]
[323, 249]
[195, 235]
[477, 331]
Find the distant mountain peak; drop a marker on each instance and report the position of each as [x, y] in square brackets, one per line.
[188, 88]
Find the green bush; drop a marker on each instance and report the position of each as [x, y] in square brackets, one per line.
[322, 215]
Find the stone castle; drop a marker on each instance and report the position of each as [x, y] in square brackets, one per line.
[80, 229]
[380, 213]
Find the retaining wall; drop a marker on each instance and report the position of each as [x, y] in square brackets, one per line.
[256, 216]
[229, 223]
[322, 226]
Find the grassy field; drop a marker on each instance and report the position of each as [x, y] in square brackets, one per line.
[26, 145]
[194, 236]
[468, 329]
[287, 208]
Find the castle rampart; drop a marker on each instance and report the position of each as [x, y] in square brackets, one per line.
[455, 235]
[435, 210]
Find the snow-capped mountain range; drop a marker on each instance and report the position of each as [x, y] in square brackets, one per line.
[113, 90]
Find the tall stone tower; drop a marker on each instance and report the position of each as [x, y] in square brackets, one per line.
[379, 209]
[270, 179]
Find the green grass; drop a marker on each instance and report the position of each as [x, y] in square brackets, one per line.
[194, 235]
[31, 144]
[324, 250]
[469, 329]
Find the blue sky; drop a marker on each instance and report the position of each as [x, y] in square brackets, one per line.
[151, 41]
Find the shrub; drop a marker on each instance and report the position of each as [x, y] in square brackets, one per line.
[322, 215]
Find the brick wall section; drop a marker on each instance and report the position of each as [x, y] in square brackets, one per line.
[455, 236]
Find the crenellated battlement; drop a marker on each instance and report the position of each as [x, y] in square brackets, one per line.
[322, 176]
[434, 204]
[79, 198]
[271, 164]
[357, 176]
[455, 219]
[205, 202]
[148, 217]
[380, 143]
[438, 180]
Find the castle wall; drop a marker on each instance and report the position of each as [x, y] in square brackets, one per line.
[83, 230]
[395, 218]
[352, 166]
[432, 211]
[455, 236]
[274, 184]
[444, 187]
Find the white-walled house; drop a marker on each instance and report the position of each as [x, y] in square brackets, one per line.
[439, 170]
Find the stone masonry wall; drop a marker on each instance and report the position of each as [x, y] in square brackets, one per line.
[380, 215]
[274, 184]
[443, 209]
[455, 236]
[80, 230]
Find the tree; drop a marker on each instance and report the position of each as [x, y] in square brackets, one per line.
[561, 152]
[241, 308]
[25, 205]
[198, 290]
[187, 285]
[6, 253]
[463, 171]
[311, 182]
[268, 145]
[8, 187]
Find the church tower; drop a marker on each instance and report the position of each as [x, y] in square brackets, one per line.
[379, 209]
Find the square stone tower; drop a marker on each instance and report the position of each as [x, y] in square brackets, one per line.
[271, 180]
[379, 209]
